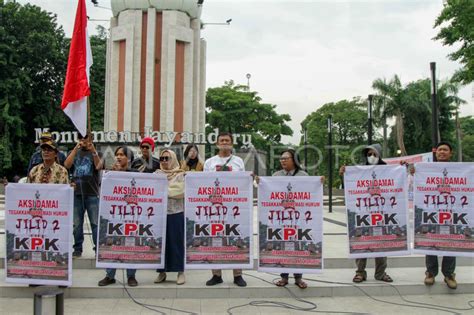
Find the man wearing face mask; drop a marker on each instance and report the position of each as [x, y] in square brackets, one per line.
[371, 155]
[84, 163]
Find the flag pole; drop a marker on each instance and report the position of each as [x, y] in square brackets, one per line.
[89, 115]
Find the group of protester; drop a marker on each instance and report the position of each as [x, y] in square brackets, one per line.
[49, 165]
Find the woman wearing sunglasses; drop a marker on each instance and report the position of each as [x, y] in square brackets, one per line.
[174, 251]
[371, 155]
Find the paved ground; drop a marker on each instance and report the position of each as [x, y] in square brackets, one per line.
[337, 305]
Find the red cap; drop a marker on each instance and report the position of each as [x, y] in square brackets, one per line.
[149, 141]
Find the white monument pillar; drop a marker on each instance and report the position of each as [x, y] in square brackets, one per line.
[155, 74]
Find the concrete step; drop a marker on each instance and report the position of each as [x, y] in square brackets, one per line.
[329, 263]
[407, 281]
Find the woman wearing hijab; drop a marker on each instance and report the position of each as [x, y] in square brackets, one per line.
[174, 251]
[191, 160]
[371, 155]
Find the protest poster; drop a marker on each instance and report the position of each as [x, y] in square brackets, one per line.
[132, 220]
[38, 224]
[444, 216]
[377, 210]
[219, 213]
[290, 213]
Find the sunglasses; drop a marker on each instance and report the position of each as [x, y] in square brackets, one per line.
[372, 154]
[164, 158]
[145, 147]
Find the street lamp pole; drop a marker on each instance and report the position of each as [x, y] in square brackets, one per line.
[330, 168]
[305, 141]
[434, 111]
[369, 121]
[248, 76]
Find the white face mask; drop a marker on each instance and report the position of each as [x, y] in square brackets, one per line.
[373, 160]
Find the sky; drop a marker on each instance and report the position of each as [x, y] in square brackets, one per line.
[302, 54]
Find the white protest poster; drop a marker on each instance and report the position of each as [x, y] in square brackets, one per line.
[290, 212]
[38, 221]
[377, 210]
[444, 216]
[132, 220]
[219, 212]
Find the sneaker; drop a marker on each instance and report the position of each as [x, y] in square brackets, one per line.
[451, 282]
[214, 280]
[429, 279]
[161, 277]
[240, 281]
[106, 281]
[132, 282]
[181, 279]
[76, 254]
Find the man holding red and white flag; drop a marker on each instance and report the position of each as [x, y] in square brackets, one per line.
[77, 85]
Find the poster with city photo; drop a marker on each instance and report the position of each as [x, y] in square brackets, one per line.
[219, 213]
[38, 221]
[290, 213]
[444, 215]
[377, 210]
[132, 220]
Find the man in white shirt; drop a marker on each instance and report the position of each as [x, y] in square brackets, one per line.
[225, 161]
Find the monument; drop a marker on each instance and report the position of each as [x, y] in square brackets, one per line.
[156, 66]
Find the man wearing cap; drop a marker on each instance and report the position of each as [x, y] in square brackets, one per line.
[85, 163]
[36, 158]
[49, 171]
[147, 163]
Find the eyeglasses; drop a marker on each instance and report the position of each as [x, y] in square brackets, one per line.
[164, 158]
[284, 158]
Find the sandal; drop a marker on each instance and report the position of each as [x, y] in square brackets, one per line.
[359, 278]
[386, 278]
[301, 284]
[282, 282]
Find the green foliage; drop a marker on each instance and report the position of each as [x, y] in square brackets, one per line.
[411, 106]
[32, 63]
[97, 76]
[233, 108]
[457, 28]
[349, 122]
[467, 129]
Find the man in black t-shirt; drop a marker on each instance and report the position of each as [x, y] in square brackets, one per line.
[84, 163]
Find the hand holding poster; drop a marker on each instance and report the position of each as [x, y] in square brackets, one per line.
[132, 220]
[444, 216]
[377, 210]
[290, 212]
[219, 212]
[39, 230]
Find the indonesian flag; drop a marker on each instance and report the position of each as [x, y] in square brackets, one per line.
[76, 88]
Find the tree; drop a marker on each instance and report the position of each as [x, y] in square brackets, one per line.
[32, 63]
[457, 29]
[467, 130]
[233, 108]
[97, 98]
[394, 105]
[33, 60]
[411, 107]
[349, 125]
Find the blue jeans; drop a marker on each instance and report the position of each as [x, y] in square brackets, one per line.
[81, 205]
[111, 272]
